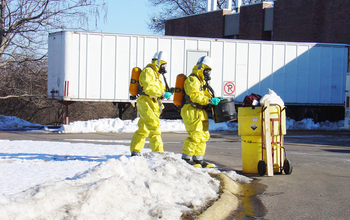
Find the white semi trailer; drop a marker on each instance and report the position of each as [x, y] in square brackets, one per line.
[309, 77]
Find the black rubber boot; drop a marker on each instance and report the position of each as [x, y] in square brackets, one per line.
[189, 161]
[203, 163]
[133, 154]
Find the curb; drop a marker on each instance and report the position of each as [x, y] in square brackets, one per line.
[228, 201]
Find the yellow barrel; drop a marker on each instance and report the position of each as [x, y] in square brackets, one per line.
[249, 121]
[251, 153]
[250, 129]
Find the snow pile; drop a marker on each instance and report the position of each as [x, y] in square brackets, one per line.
[116, 125]
[11, 122]
[129, 126]
[102, 125]
[308, 124]
[238, 178]
[149, 187]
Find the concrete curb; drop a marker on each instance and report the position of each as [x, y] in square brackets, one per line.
[228, 201]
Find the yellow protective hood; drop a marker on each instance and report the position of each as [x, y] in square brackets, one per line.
[199, 72]
[153, 65]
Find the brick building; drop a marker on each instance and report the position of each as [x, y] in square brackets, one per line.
[210, 24]
[285, 20]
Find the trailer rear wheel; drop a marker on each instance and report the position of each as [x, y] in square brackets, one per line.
[261, 168]
[287, 167]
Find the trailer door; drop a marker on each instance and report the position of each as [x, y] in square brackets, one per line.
[192, 58]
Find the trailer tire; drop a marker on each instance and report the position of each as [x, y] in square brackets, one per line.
[261, 168]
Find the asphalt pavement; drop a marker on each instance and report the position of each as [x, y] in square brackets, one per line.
[318, 187]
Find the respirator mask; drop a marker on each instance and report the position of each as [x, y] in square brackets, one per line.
[206, 74]
[162, 68]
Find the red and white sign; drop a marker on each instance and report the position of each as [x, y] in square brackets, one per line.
[229, 88]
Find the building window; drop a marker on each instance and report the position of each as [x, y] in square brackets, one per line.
[233, 36]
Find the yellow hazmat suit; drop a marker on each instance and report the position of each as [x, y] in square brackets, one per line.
[149, 107]
[194, 118]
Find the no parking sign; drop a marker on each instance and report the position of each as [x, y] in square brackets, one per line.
[229, 88]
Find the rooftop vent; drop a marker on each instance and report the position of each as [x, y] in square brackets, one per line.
[212, 5]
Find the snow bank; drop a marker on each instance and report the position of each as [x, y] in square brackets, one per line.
[150, 187]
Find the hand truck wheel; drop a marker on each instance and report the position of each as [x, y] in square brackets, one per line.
[262, 168]
[287, 167]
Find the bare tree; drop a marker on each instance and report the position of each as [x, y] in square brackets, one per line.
[24, 24]
[170, 9]
[24, 28]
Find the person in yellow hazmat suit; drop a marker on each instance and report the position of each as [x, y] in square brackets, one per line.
[197, 100]
[149, 105]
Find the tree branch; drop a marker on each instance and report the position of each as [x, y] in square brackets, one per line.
[20, 96]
